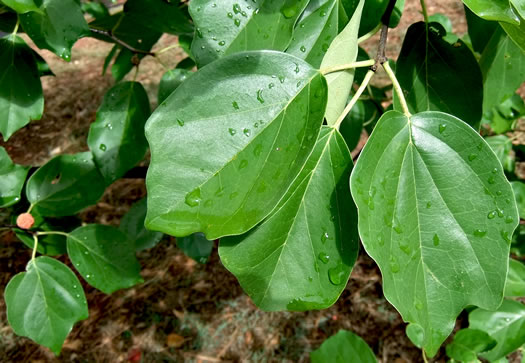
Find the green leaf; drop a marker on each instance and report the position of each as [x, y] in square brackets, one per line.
[425, 186]
[479, 30]
[443, 20]
[116, 138]
[65, 185]
[222, 156]
[231, 26]
[170, 81]
[112, 53]
[342, 50]
[506, 325]
[373, 12]
[416, 334]
[497, 10]
[42, 66]
[515, 285]
[503, 66]
[57, 26]
[21, 97]
[516, 33]
[95, 9]
[157, 15]
[196, 246]
[300, 257]
[12, 178]
[502, 147]
[343, 347]
[468, 343]
[22, 6]
[519, 194]
[104, 256]
[439, 77]
[317, 27]
[132, 224]
[44, 302]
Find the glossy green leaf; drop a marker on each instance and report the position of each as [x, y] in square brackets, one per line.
[44, 302]
[468, 343]
[342, 50]
[439, 77]
[21, 97]
[95, 9]
[65, 185]
[519, 194]
[343, 347]
[506, 325]
[443, 20]
[515, 285]
[22, 6]
[159, 15]
[502, 147]
[498, 10]
[170, 81]
[227, 143]
[104, 256]
[57, 26]
[111, 55]
[196, 246]
[416, 334]
[317, 27]
[186, 63]
[116, 138]
[42, 66]
[503, 66]
[479, 30]
[132, 224]
[373, 12]
[300, 257]
[12, 178]
[231, 26]
[437, 214]
[516, 33]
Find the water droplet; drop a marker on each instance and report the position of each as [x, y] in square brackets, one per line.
[222, 42]
[494, 171]
[235, 105]
[208, 203]
[310, 278]
[257, 150]
[109, 127]
[436, 240]
[243, 164]
[337, 274]
[88, 276]
[471, 157]
[394, 266]
[246, 132]
[180, 122]
[325, 47]
[492, 214]
[442, 128]
[505, 236]
[405, 248]
[86, 252]
[237, 22]
[509, 219]
[324, 237]
[381, 240]
[236, 8]
[480, 146]
[398, 229]
[232, 131]
[193, 198]
[233, 195]
[289, 11]
[429, 204]
[303, 48]
[480, 233]
[102, 147]
[74, 286]
[323, 257]
[260, 96]
[323, 13]
[296, 70]
[500, 212]
[492, 180]
[281, 79]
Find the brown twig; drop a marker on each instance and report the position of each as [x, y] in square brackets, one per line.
[381, 51]
[110, 35]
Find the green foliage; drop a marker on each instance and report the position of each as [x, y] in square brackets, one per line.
[12, 178]
[196, 246]
[132, 224]
[343, 347]
[468, 343]
[515, 285]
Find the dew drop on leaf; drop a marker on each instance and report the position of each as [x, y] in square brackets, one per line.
[260, 96]
[102, 147]
[303, 48]
[480, 233]
[505, 236]
[246, 132]
[235, 105]
[323, 257]
[193, 198]
[243, 164]
[436, 240]
[492, 214]
[232, 131]
[336, 275]
[471, 157]
[492, 180]
[442, 128]
[180, 122]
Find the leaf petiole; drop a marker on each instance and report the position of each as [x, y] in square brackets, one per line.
[35, 246]
[347, 66]
[46, 233]
[370, 34]
[15, 30]
[397, 88]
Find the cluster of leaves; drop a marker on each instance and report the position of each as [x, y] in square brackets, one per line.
[254, 149]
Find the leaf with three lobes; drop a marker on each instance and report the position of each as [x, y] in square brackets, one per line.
[104, 256]
[506, 325]
[468, 343]
[437, 214]
[317, 27]
[116, 138]
[65, 185]
[44, 302]
[196, 246]
[12, 178]
[342, 50]
[301, 255]
[496, 10]
[57, 26]
[515, 285]
[438, 76]
[132, 224]
[344, 346]
[21, 97]
[227, 143]
[232, 26]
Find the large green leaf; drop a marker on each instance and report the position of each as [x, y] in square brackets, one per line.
[231, 26]
[516, 33]
[301, 255]
[228, 142]
[21, 97]
[65, 185]
[104, 256]
[438, 76]
[515, 285]
[437, 214]
[57, 26]
[196, 246]
[44, 302]
[116, 138]
[132, 224]
[519, 193]
[468, 343]
[170, 81]
[506, 325]
[317, 27]
[342, 347]
[12, 178]
[503, 66]
[159, 15]
[22, 6]
[479, 30]
[373, 12]
[342, 50]
[498, 10]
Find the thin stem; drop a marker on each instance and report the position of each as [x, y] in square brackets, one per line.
[30, 208]
[35, 245]
[424, 10]
[344, 67]
[397, 88]
[424, 356]
[354, 99]
[370, 34]
[109, 34]
[15, 30]
[136, 72]
[167, 48]
[46, 233]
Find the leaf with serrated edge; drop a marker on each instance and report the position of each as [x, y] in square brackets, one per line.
[44, 302]
[229, 141]
[301, 255]
[437, 214]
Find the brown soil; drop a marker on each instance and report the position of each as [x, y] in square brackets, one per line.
[184, 311]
